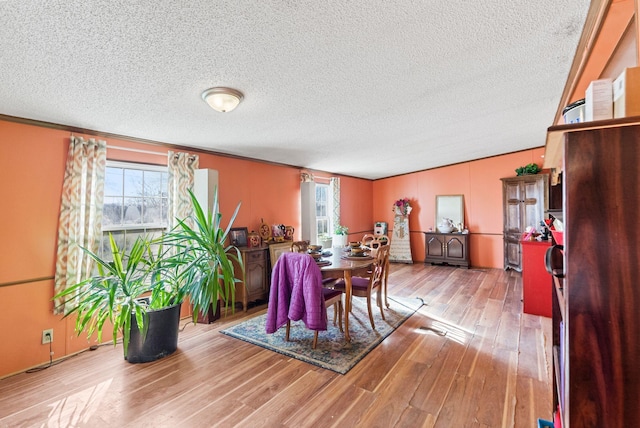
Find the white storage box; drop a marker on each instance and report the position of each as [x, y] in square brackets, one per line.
[626, 93]
[598, 100]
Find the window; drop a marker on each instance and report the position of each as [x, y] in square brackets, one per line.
[320, 203]
[323, 210]
[135, 203]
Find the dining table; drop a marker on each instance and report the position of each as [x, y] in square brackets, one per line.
[341, 265]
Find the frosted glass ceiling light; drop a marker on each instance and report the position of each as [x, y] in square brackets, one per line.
[222, 99]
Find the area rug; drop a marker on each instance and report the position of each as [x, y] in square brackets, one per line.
[333, 352]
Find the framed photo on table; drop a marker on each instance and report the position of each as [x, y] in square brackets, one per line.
[238, 236]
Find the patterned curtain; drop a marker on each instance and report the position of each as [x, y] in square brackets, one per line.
[80, 223]
[181, 170]
[334, 187]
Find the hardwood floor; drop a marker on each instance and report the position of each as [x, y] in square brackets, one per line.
[468, 358]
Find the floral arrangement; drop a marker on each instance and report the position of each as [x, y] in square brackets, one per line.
[402, 206]
[528, 169]
[341, 230]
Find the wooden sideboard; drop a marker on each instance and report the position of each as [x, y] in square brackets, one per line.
[256, 281]
[447, 248]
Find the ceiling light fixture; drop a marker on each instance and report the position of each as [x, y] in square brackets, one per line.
[222, 99]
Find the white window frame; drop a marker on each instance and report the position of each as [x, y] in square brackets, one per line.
[124, 230]
[327, 205]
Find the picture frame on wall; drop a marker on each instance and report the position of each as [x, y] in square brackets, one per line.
[238, 236]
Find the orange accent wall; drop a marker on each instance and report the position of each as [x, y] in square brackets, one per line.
[479, 183]
[355, 207]
[32, 162]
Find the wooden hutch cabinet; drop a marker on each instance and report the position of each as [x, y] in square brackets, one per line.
[596, 320]
[256, 284]
[596, 316]
[447, 248]
[525, 200]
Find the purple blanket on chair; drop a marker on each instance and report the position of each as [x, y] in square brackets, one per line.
[296, 293]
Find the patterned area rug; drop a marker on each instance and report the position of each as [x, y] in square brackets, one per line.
[332, 352]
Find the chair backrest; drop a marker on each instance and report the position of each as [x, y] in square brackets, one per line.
[379, 266]
[374, 242]
[296, 293]
[299, 246]
[367, 239]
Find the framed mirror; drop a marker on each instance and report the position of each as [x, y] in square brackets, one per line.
[452, 207]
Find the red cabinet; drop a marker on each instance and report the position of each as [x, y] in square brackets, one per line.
[536, 281]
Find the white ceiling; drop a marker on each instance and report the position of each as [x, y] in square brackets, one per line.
[367, 88]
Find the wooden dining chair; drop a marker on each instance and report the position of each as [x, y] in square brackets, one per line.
[332, 297]
[297, 294]
[373, 242]
[366, 286]
[367, 239]
[300, 246]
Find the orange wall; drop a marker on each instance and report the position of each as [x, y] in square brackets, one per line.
[479, 183]
[32, 161]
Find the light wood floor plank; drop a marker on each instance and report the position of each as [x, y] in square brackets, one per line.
[281, 407]
[399, 388]
[469, 357]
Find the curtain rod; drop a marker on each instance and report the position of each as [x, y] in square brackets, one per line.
[127, 149]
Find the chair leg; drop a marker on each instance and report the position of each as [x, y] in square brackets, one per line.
[386, 279]
[373, 326]
[339, 304]
[286, 336]
[315, 339]
[335, 313]
[379, 301]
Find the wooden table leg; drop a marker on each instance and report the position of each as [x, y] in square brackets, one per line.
[386, 278]
[347, 303]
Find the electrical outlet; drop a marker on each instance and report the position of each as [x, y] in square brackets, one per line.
[47, 336]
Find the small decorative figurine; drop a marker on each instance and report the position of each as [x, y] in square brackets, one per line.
[254, 239]
[288, 233]
[265, 231]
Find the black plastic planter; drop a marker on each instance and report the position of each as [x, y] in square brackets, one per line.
[162, 336]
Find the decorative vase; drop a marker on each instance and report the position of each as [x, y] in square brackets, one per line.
[339, 241]
[326, 243]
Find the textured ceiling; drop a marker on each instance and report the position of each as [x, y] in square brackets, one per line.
[367, 88]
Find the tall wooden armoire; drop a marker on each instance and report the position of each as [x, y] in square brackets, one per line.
[525, 200]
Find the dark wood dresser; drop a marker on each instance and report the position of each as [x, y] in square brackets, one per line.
[447, 248]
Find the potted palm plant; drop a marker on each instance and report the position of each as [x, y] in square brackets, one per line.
[140, 292]
[203, 253]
